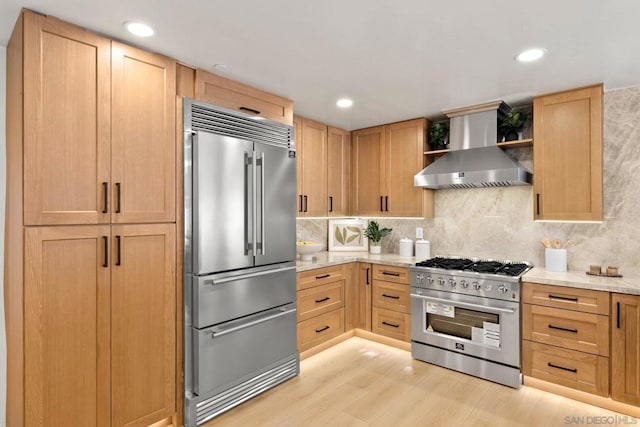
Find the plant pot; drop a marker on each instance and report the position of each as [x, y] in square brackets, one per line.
[375, 249]
[511, 136]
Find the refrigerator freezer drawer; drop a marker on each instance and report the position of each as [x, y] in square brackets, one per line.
[235, 350]
[224, 297]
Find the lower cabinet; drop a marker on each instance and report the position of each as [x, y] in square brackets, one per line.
[99, 325]
[391, 304]
[625, 348]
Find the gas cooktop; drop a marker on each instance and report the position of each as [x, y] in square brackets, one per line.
[505, 268]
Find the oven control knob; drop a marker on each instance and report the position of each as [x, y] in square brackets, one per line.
[441, 281]
[476, 286]
[419, 277]
[452, 283]
[503, 289]
[464, 283]
[430, 279]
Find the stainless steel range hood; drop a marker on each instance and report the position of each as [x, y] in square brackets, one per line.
[474, 160]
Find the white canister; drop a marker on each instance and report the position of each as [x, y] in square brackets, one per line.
[423, 249]
[555, 260]
[406, 247]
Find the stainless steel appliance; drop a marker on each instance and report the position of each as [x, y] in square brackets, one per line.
[465, 315]
[239, 258]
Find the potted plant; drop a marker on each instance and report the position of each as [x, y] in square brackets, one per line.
[374, 233]
[511, 124]
[438, 135]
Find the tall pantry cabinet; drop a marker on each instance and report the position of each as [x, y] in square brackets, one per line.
[90, 229]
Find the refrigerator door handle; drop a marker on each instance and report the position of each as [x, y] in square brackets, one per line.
[255, 202]
[248, 242]
[262, 244]
[247, 276]
[263, 317]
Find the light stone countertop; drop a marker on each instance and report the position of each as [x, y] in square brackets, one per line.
[628, 284]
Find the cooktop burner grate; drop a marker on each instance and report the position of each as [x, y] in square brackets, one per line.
[505, 268]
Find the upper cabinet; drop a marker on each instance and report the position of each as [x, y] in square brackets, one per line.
[568, 155]
[228, 93]
[98, 128]
[384, 161]
[338, 153]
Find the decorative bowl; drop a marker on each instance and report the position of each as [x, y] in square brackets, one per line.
[307, 249]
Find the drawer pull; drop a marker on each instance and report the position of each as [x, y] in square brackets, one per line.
[575, 331]
[573, 299]
[324, 328]
[323, 276]
[391, 296]
[391, 273]
[323, 299]
[250, 110]
[391, 324]
[551, 365]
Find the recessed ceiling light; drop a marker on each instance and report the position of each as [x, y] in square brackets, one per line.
[139, 29]
[530, 55]
[344, 103]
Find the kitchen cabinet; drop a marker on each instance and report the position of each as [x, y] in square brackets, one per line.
[567, 155]
[90, 146]
[384, 162]
[311, 167]
[565, 336]
[338, 156]
[625, 348]
[391, 305]
[362, 285]
[234, 95]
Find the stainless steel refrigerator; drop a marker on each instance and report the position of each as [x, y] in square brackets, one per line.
[239, 258]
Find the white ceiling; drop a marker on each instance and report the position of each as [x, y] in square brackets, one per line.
[396, 59]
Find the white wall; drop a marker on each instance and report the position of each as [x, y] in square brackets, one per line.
[3, 174]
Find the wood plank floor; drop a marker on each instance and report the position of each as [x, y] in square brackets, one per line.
[363, 383]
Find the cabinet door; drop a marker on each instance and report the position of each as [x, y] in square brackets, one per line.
[297, 132]
[362, 296]
[143, 324]
[366, 149]
[143, 136]
[625, 348]
[314, 168]
[338, 148]
[66, 123]
[568, 155]
[66, 337]
[403, 157]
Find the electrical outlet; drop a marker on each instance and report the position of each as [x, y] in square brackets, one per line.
[419, 232]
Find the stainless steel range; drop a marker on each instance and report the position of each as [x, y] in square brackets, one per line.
[465, 315]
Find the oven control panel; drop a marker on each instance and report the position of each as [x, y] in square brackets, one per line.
[467, 283]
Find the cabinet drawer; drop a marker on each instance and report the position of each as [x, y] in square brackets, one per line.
[320, 329]
[246, 99]
[390, 273]
[391, 324]
[391, 296]
[569, 298]
[567, 329]
[320, 276]
[581, 371]
[320, 299]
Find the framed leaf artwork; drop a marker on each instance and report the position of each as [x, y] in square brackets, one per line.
[347, 235]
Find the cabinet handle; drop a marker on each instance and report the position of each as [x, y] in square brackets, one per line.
[105, 189]
[305, 203]
[573, 299]
[391, 296]
[300, 210]
[386, 203]
[324, 328]
[105, 241]
[537, 203]
[323, 276]
[251, 110]
[618, 315]
[575, 331]
[118, 250]
[118, 197]
[391, 324]
[575, 371]
[381, 204]
[367, 276]
[391, 273]
[323, 299]
[330, 203]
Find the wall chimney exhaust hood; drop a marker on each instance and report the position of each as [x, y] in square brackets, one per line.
[474, 159]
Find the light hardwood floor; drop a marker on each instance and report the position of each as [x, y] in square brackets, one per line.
[363, 383]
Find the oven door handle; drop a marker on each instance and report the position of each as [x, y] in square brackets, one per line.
[465, 304]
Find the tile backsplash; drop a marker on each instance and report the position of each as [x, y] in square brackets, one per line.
[498, 222]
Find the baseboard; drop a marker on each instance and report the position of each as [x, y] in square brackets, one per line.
[325, 345]
[382, 339]
[581, 396]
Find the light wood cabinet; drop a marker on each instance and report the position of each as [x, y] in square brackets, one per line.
[393, 153]
[311, 167]
[625, 348]
[362, 295]
[567, 155]
[338, 156]
[391, 303]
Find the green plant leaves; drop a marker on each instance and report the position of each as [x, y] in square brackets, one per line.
[338, 236]
[347, 234]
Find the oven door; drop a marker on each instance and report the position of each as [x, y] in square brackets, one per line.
[472, 325]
